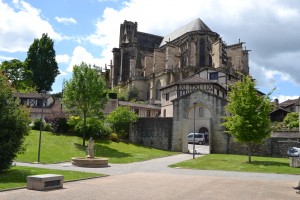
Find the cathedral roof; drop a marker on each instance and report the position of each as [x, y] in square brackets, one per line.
[195, 25]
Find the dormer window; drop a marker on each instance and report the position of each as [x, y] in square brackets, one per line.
[213, 76]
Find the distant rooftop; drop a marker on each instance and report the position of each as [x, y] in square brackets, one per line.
[195, 25]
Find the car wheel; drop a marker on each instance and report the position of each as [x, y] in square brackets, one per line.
[200, 142]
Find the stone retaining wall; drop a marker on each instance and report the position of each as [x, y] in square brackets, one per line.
[152, 132]
[275, 146]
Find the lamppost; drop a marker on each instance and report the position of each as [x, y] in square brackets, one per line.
[43, 94]
[194, 130]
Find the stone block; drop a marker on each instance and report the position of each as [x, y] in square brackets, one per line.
[45, 182]
[294, 161]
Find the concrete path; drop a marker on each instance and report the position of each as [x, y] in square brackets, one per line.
[154, 180]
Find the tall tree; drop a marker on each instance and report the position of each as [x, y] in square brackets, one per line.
[18, 75]
[248, 119]
[14, 123]
[41, 61]
[85, 93]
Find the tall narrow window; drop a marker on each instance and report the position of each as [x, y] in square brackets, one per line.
[201, 112]
[157, 91]
[148, 113]
[202, 53]
[167, 97]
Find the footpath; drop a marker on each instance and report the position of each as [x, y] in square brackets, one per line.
[152, 179]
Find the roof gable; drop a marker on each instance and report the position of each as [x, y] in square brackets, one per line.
[195, 25]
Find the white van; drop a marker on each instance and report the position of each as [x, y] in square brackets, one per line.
[199, 138]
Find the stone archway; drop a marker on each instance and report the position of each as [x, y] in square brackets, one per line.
[186, 107]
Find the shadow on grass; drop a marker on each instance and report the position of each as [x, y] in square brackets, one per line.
[105, 151]
[269, 163]
[101, 150]
[14, 175]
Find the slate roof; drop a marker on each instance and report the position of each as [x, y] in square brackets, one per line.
[290, 102]
[195, 25]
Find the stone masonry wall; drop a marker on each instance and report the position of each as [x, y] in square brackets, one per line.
[152, 132]
[275, 146]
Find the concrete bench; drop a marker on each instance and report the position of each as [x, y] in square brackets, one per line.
[44, 182]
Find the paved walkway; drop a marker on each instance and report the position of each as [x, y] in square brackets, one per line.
[154, 180]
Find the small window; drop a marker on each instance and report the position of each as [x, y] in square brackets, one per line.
[167, 97]
[213, 76]
[165, 113]
[136, 111]
[148, 113]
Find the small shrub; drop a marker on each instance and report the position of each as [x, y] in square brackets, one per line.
[114, 137]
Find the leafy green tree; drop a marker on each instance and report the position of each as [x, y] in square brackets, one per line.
[120, 119]
[133, 94]
[248, 119]
[85, 93]
[14, 123]
[291, 120]
[18, 74]
[41, 61]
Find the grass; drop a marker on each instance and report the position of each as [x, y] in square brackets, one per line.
[60, 148]
[240, 163]
[15, 177]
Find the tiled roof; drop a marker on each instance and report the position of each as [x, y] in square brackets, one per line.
[29, 95]
[140, 105]
[195, 25]
[290, 102]
[195, 79]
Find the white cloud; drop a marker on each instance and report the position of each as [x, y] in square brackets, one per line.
[64, 58]
[282, 98]
[80, 55]
[6, 58]
[65, 21]
[20, 25]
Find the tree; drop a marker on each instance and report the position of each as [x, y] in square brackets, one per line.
[41, 61]
[248, 119]
[85, 93]
[120, 119]
[291, 120]
[14, 123]
[18, 75]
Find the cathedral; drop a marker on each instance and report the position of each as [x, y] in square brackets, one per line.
[163, 68]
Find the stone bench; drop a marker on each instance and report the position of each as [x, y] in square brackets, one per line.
[45, 182]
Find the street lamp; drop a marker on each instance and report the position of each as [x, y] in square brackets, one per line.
[43, 94]
[194, 130]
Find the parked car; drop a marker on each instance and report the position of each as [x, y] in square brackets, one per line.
[199, 138]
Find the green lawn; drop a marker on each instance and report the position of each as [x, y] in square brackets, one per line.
[240, 163]
[15, 177]
[59, 148]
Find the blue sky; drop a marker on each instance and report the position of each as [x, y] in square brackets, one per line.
[87, 30]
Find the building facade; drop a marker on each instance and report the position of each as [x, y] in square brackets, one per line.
[191, 56]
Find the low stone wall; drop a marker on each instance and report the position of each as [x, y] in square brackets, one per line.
[152, 132]
[275, 146]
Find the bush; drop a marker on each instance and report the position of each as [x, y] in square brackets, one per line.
[14, 123]
[114, 137]
[94, 127]
[59, 124]
[37, 124]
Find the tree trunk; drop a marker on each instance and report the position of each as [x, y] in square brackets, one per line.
[249, 152]
[84, 128]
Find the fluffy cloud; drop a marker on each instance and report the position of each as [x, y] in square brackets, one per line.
[66, 21]
[63, 58]
[80, 55]
[29, 23]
